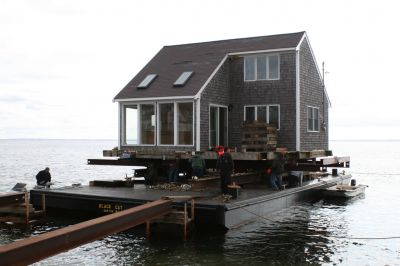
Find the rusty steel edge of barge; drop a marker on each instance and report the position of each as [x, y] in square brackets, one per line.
[209, 209]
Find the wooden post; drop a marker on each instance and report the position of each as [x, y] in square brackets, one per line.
[26, 208]
[44, 204]
[192, 210]
[148, 229]
[185, 221]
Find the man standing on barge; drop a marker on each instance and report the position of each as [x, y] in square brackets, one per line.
[225, 166]
[43, 177]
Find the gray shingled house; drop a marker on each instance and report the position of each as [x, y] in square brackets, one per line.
[196, 96]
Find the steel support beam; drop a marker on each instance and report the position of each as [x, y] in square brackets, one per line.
[38, 247]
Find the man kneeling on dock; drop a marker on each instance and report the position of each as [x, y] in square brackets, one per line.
[43, 178]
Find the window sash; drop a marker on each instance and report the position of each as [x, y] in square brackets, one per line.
[313, 119]
[185, 123]
[147, 124]
[131, 125]
[249, 68]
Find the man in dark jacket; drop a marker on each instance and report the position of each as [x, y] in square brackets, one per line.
[225, 166]
[43, 177]
[198, 165]
[278, 167]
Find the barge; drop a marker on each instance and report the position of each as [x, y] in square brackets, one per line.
[256, 198]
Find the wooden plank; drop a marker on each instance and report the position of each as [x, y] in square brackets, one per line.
[10, 198]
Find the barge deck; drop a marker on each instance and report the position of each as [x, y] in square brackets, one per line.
[210, 207]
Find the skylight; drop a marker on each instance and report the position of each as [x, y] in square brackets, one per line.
[146, 81]
[183, 78]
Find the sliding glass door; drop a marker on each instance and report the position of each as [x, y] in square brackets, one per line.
[218, 126]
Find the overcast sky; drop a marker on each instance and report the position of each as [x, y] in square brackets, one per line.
[62, 62]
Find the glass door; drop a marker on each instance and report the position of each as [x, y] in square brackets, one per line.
[218, 126]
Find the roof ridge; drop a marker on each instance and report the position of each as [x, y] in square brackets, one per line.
[235, 39]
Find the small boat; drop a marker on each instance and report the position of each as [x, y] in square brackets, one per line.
[344, 191]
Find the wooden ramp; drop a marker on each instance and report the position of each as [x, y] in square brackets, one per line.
[39, 247]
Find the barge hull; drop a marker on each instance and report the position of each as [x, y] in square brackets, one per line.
[209, 208]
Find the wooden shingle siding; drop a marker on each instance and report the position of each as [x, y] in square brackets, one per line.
[216, 92]
[311, 94]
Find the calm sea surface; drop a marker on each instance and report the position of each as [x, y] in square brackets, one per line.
[365, 231]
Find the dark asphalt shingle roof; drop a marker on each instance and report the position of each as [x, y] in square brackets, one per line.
[202, 59]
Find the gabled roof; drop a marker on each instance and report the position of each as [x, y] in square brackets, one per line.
[201, 58]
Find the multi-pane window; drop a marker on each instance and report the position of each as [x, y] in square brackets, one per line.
[312, 118]
[263, 113]
[174, 124]
[261, 67]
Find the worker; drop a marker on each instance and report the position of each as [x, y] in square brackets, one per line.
[43, 178]
[174, 170]
[198, 165]
[277, 169]
[220, 150]
[225, 166]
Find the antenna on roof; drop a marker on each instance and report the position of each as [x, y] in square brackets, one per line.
[323, 95]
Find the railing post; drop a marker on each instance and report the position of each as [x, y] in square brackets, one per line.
[26, 208]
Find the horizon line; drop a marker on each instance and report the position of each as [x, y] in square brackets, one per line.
[117, 139]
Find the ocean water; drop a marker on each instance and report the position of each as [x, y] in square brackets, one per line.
[363, 231]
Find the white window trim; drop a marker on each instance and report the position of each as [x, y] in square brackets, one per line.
[123, 124]
[267, 56]
[313, 107]
[267, 114]
[176, 137]
[227, 122]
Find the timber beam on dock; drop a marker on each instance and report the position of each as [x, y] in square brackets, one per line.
[39, 247]
[11, 198]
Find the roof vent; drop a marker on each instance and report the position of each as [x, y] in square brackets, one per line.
[146, 81]
[183, 78]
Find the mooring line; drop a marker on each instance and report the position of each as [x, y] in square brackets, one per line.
[344, 237]
[368, 238]
[265, 218]
[361, 173]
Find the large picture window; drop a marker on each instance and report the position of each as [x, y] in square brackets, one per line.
[313, 121]
[263, 113]
[185, 123]
[131, 124]
[166, 123]
[261, 67]
[139, 124]
[147, 123]
[175, 122]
